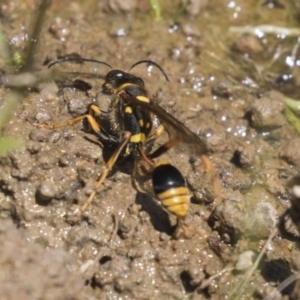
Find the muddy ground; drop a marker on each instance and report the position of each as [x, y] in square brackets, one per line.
[226, 84]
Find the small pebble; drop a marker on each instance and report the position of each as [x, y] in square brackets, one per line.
[245, 260]
[290, 152]
[46, 192]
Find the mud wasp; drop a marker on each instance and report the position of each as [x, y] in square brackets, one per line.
[130, 131]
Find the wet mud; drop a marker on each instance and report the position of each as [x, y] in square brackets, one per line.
[224, 86]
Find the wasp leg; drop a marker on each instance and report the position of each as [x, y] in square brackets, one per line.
[93, 111]
[110, 163]
[145, 158]
[156, 134]
[69, 123]
[164, 148]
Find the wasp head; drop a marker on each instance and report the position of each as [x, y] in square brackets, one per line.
[116, 78]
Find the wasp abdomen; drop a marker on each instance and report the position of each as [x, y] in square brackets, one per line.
[170, 188]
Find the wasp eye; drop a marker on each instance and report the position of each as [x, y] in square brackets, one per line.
[115, 78]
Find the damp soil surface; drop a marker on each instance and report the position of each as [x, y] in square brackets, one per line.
[228, 82]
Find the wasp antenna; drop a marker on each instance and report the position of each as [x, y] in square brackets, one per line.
[79, 60]
[150, 62]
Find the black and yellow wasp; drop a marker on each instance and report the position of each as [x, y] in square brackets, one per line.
[130, 130]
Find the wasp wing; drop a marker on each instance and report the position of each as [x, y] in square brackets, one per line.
[174, 128]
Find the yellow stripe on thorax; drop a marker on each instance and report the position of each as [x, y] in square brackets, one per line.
[143, 98]
[124, 85]
[139, 137]
[128, 110]
[141, 123]
[139, 97]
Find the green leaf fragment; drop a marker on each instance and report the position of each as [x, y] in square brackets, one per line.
[17, 59]
[9, 143]
[156, 8]
[292, 104]
[293, 119]
[7, 109]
